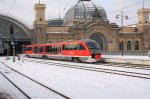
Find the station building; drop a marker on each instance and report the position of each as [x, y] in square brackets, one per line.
[86, 20]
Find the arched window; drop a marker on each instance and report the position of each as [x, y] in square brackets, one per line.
[145, 21]
[129, 45]
[40, 19]
[137, 45]
[121, 45]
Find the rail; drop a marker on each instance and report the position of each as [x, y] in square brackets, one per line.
[60, 94]
[95, 69]
[132, 53]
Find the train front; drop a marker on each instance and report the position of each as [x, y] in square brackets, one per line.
[94, 50]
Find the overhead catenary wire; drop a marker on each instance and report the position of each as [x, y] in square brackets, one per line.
[133, 5]
[2, 2]
[131, 17]
[12, 6]
[108, 12]
[127, 7]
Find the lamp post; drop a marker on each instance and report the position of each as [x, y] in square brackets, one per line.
[12, 35]
[12, 40]
[121, 14]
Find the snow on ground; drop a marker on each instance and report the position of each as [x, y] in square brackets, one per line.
[80, 84]
[30, 86]
[8, 90]
[101, 66]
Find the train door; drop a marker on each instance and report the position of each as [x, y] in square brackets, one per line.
[59, 50]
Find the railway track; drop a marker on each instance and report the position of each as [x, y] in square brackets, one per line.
[95, 69]
[24, 93]
[146, 67]
[40, 84]
[125, 66]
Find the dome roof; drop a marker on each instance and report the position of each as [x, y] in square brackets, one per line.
[84, 10]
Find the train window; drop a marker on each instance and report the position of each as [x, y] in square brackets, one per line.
[35, 49]
[41, 49]
[28, 49]
[80, 47]
[63, 47]
[66, 47]
[48, 49]
[38, 49]
[73, 47]
[54, 49]
[69, 47]
[92, 45]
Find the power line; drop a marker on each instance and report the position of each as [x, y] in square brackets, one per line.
[133, 17]
[128, 19]
[3, 5]
[12, 6]
[128, 6]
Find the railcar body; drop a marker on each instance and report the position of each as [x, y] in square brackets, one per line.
[79, 51]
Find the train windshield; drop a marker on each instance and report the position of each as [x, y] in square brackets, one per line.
[92, 45]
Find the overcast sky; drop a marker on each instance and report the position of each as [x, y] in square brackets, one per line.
[23, 9]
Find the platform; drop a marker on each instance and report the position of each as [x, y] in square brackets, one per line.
[140, 60]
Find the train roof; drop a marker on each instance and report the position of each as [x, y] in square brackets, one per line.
[81, 40]
[88, 40]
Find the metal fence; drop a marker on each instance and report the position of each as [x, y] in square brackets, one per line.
[132, 53]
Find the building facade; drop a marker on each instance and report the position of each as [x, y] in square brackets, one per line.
[86, 20]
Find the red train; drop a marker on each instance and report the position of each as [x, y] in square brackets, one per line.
[79, 51]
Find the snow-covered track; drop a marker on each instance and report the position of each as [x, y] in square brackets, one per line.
[60, 95]
[24, 93]
[96, 69]
[125, 66]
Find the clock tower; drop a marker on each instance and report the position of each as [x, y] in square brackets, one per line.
[143, 16]
[144, 26]
[40, 24]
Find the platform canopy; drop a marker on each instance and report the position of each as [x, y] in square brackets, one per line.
[22, 31]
